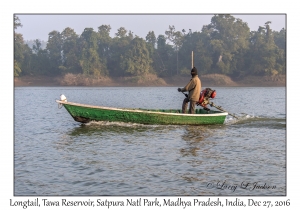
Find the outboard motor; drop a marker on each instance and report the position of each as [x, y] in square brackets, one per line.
[205, 95]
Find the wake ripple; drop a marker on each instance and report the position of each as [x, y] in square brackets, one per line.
[247, 120]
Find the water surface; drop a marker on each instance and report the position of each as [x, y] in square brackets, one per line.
[54, 155]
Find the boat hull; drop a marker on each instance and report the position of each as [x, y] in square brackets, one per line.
[86, 113]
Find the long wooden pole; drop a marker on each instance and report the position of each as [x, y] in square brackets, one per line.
[220, 108]
[192, 59]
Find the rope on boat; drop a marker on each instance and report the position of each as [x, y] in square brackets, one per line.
[62, 98]
[60, 105]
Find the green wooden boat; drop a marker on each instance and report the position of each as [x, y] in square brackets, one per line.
[85, 113]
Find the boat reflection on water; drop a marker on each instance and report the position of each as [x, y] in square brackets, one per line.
[189, 139]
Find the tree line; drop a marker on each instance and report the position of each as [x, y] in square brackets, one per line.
[225, 46]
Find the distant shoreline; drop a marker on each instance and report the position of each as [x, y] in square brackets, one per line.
[212, 80]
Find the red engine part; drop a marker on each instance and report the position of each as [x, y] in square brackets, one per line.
[213, 95]
[202, 94]
[205, 95]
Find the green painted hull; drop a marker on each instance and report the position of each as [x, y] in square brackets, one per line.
[86, 113]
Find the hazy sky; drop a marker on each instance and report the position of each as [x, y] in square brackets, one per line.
[38, 26]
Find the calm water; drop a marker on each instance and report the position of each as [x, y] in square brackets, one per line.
[54, 155]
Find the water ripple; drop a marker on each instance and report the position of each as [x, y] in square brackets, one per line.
[54, 155]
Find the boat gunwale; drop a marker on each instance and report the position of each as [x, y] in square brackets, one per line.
[141, 111]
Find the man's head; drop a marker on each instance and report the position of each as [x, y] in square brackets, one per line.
[194, 71]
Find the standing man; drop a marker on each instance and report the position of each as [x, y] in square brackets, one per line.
[194, 88]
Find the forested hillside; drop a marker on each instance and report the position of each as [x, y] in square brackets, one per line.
[225, 46]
